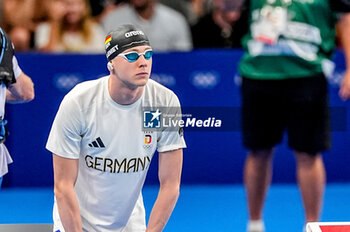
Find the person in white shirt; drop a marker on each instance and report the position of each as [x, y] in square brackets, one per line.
[166, 28]
[15, 87]
[70, 29]
[102, 152]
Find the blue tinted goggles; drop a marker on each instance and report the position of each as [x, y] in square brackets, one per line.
[133, 56]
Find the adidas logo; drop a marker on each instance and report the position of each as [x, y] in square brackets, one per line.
[97, 143]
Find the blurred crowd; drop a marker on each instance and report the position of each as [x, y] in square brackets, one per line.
[80, 26]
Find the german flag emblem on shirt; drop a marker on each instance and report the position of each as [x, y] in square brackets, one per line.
[109, 38]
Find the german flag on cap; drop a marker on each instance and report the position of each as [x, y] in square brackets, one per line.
[109, 38]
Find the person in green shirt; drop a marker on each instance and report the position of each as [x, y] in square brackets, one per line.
[288, 52]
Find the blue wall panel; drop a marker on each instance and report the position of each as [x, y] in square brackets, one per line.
[206, 79]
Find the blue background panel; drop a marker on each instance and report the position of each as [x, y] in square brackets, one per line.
[207, 79]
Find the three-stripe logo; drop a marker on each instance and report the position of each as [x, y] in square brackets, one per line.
[97, 143]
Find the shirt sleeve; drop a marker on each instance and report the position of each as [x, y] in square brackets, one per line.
[172, 138]
[66, 131]
[16, 69]
[42, 35]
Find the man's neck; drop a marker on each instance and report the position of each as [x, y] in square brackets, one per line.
[122, 94]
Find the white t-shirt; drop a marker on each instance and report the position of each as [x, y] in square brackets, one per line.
[72, 41]
[167, 30]
[114, 152]
[5, 157]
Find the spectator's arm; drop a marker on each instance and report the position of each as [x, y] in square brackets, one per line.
[344, 32]
[21, 91]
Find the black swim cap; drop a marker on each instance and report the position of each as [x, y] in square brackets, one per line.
[123, 38]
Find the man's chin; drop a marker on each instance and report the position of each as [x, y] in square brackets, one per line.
[141, 82]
